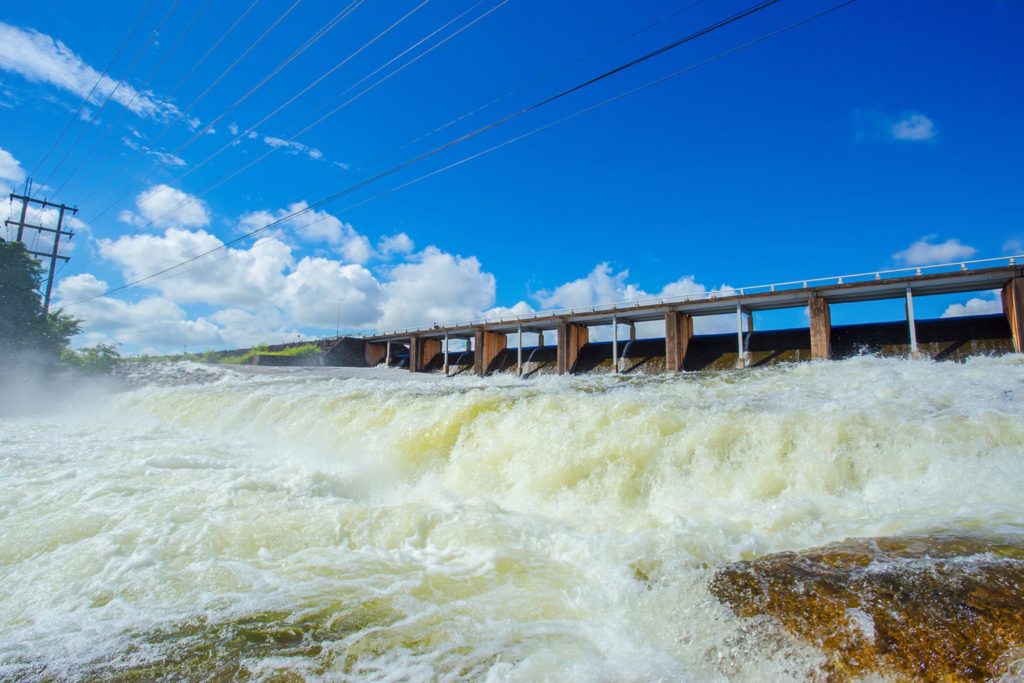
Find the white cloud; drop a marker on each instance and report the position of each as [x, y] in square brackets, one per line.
[913, 128]
[233, 128]
[1013, 245]
[165, 158]
[603, 286]
[263, 277]
[11, 172]
[40, 58]
[162, 206]
[395, 244]
[292, 147]
[153, 321]
[926, 251]
[976, 306]
[435, 286]
[312, 226]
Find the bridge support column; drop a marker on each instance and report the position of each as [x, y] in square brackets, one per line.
[571, 338]
[519, 352]
[821, 328]
[632, 331]
[912, 325]
[1013, 307]
[678, 332]
[445, 363]
[615, 344]
[421, 351]
[741, 355]
[487, 346]
[375, 353]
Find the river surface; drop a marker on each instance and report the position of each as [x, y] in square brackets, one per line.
[333, 524]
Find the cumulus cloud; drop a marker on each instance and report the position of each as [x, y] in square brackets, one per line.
[11, 172]
[395, 244]
[927, 251]
[312, 226]
[990, 302]
[39, 58]
[153, 321]
[162, 206]
[603, 286]
[913, 128]
[435, 286]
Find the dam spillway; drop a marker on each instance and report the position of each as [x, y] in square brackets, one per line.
[428, 348]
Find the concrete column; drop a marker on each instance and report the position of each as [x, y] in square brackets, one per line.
[615, 343]
[1013, 308]
[540, 338]
[678, 332]
[821, 328]
[632, 331]
[519, 352]
[487, 346]
[571, 338]
[741, 357]
[387, 358]
[912, 325]
[445, 363]
[422, 351]
[414, 354]
[375, 353]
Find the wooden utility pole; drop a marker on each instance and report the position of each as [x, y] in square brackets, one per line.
[52, 255]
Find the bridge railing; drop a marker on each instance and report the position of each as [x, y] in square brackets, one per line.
[723, 292]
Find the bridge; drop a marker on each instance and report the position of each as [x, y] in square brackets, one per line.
[489, 338]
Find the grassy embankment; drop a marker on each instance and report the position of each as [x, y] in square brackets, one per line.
[262, 350]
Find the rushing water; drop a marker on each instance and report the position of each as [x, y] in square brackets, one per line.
[371, 525]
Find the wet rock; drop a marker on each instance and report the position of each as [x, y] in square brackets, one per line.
[939, 607]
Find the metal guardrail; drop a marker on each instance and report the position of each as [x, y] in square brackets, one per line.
[875, 275]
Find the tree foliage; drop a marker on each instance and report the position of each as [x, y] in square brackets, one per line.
[23, 326]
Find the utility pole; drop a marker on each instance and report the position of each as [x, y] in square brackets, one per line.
[52, 255]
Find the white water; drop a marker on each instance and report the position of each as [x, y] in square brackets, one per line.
[368, 526]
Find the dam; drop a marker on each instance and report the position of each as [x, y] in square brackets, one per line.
[496, 345]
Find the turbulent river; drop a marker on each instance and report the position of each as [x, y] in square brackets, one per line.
[279, 524]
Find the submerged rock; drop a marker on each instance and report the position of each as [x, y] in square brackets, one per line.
[934, 607]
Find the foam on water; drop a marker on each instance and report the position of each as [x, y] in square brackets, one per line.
[358, 524]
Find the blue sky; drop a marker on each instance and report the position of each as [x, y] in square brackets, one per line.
[881, 135]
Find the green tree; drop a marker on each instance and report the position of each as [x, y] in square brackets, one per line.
[96, 359]
[23, 326]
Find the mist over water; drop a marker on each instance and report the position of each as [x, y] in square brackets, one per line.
[375, 525]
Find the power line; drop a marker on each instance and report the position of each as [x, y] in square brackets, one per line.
[302, 92]
[92, 119]
[295, 54]
[85, 100]
[149, 77]
[310, 42]
[749, 11]
[476, 155]
[170, 93]
[323, 118]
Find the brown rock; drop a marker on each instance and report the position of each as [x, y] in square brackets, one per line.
[939, 607]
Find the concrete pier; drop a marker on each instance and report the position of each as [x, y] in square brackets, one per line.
[421, 351]
[487, 346]
[376, 354]
[821, 328]
[571, 338]
[1013, 308]
[678, 331]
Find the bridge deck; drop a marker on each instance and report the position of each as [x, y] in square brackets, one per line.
[788, 295]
